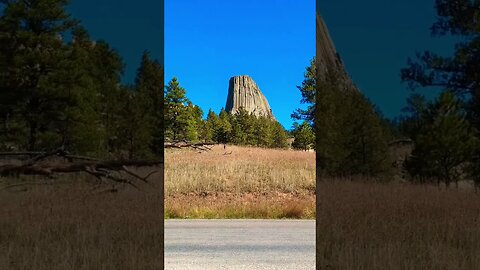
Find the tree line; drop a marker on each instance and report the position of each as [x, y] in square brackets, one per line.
[61, 89]
[185, 121]
[352, 137]
[445, 130]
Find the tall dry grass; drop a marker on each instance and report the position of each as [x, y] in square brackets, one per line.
[69, 227]
[393, 226]
[239, 182]
[245, 170]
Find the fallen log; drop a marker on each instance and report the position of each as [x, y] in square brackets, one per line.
[116, 171]
[201, 146]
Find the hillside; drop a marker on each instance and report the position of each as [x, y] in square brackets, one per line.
[241, 182]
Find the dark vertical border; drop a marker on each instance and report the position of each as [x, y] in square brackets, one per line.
[317, 175]
[162, 175]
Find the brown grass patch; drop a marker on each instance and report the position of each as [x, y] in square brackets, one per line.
[393, 226]
[246, 170]
[69, 227]
[240, 206]
[281, 183]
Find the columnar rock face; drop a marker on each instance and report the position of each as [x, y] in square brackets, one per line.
[244, 93]
[328, 59]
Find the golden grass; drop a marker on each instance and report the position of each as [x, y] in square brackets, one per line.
[248, 183]
[393, 226]
[244, 206]
[245, 170]
[69, 227]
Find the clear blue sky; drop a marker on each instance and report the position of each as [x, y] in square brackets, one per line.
[207, 42]
[130, 27]
[375, 39]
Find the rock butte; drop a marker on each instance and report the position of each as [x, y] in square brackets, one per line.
[244, 93]
[329, 59]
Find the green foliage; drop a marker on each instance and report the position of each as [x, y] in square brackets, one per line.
[280, 135]
[243, 128]
[307, 89]
[351, 137]
[208, 129]
[33, 58]
[445, 141]
[182, 118]
[303, 135]
[410, 124]
[149, 85]
[224, 129]
[459, 75]
[459, 72]
[56, 92]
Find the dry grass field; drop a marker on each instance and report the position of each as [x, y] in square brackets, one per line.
[239, 182]
[361, 225]
[393, 226]
[70, 227]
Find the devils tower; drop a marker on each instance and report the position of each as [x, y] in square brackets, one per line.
[244, 93]
[328, 59]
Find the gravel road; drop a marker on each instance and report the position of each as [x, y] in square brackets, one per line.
[239, 244]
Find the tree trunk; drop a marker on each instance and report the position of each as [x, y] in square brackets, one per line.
[32, 140]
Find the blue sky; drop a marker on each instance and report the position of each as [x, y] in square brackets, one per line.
[207, 42]
[130, 27]
[375, 39]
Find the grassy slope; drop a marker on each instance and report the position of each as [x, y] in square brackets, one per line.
[248, 183]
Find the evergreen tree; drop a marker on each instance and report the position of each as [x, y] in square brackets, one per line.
[445, 143]
[263, 131]
[224, 130]
[304, 136]
[32, 54]
[459, 73]
[367, 139]
[351, 138]
[279, 136]
[413, 121]
[243, 125]
[56, 92]
[307, 89]
[106, 71]
[193, 120]
[178, 121]
[149, 84]
[135, 132]
[209, 126]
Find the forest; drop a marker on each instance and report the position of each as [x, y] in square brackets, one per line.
[353, 138]
[59, 89]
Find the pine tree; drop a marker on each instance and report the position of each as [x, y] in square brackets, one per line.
[304, 136]
[135, 131]
[176, 116]
[223, 134]
[279, 136]
[307, 89]
[350, 136]
[182, 118]
[446, 142]
[263, 131]
[209, 126]
[32, 51]
[149, 84]
[107, 68]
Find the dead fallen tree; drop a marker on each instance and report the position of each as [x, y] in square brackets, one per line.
[201, 146]
[37, 164]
